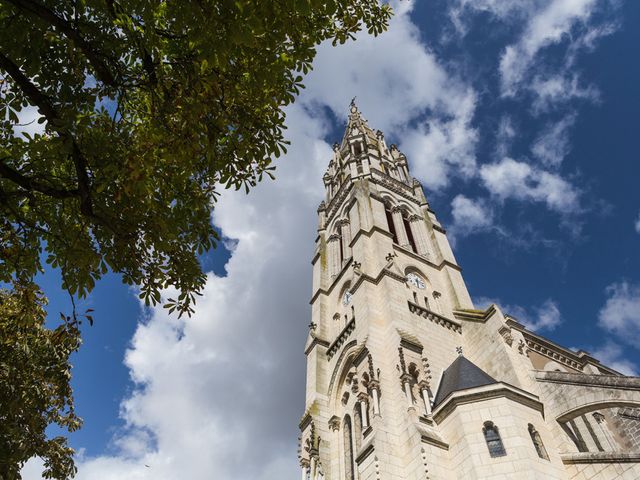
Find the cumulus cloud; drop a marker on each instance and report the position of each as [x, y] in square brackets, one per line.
[469, 216]
[545, 316]
[221, 393]
[552, 145]
[620, 314]
[509, 178]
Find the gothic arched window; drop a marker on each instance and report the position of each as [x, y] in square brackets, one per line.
[390, 225]
[407, 228]
[537, 443]
[357, 427]
[494, 442]
[348, 449]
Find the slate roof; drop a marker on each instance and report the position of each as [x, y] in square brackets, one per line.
[461, 375]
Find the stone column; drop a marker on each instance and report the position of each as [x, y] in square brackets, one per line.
[334, 426]
[363, 399]
[374, 386]
[333, 250]
[419, 232]
[396, 213]
[425, 397]
[313, 467]
[304, 463]
[406, 382]
[345, 233]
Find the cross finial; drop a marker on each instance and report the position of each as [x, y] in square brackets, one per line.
[459, 350]
[353, 107]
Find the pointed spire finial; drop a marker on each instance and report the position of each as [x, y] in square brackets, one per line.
[353, 105]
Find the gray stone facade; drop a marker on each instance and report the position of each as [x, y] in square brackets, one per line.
[407, 380]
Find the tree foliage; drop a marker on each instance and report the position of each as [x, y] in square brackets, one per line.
[34, 384]
[149, 109]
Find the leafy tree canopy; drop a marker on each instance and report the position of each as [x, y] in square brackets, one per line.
[150, 108]
[34, 384]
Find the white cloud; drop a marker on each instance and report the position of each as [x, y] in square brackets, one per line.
[221, 393]
[549, 25]
[396, 80]
[552, 91]
[621, 312]
[637, 224]
[612, 355]
[469, 216]
[512, 179]
[552, 145]
[461, 10]
[541, 24]
[543, 317]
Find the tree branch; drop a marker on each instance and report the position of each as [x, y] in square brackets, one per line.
[47, 109]
[38, 98]
[102, 71]
[33, 185]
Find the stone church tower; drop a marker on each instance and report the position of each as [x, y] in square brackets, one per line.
[407, 380]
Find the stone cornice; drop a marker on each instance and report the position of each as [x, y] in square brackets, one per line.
[553, 351]
[396, 186]
[483, 393]
[410, 342]
[340, 339]
[434, 317]
[470, 315]
[439, 228]
[599, 457]
[316, 341]
[368, 233]
[364, 453]
[434, 441]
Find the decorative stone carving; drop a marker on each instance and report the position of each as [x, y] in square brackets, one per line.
[505, 332]
[521, 347]
[403, 365]
[334, 423]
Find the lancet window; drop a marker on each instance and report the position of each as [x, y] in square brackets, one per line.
[537, 442]
[408, 230]
[494, 442]
[339, 247]
[390, 225]
[348, 449]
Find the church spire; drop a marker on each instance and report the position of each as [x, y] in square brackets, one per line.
[361, 151]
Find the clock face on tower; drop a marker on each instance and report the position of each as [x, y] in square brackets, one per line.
[346, 298]
[415, 280]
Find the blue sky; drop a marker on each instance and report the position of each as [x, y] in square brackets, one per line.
[520, 119]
